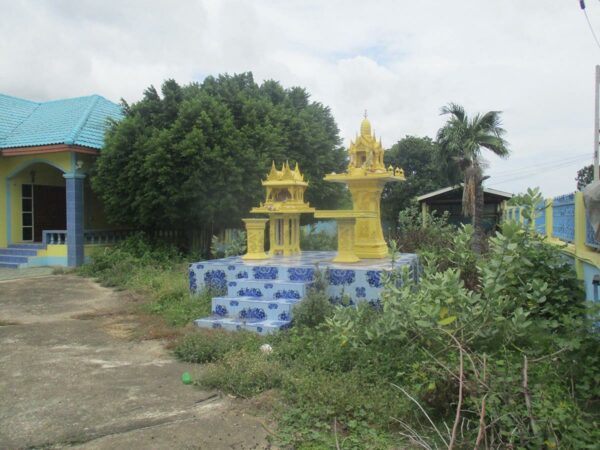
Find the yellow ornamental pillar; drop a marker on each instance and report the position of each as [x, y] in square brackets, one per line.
[255, 233]
[366, 195]
[346, 228]
[580, 232]
[345, 231]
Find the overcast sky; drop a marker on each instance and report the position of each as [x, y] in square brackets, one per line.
[399, 59]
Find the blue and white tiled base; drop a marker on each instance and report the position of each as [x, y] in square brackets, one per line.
[261, 294]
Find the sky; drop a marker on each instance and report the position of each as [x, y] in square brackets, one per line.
[401, 60]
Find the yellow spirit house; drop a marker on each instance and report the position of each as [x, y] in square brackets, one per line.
[48, 213]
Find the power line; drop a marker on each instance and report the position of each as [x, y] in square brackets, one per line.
[582, 6]
[521, 177]
[578, 157]
[526, 171]
[536, 171]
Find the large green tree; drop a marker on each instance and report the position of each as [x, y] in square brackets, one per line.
[462, 139]
[418, 156]
[193, 157]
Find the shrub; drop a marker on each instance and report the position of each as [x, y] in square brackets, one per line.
[524, 325]
[243, 373]
[204, 346]
[317, 240]
[222, 249]
[315, 307]
[412, 235]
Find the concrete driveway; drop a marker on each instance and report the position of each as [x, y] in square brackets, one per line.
[71, 376]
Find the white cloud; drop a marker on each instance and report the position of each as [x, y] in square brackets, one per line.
[400, 59]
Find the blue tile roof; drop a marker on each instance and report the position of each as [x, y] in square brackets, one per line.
[74, 121]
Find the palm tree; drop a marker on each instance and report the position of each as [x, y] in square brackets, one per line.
[461, 140]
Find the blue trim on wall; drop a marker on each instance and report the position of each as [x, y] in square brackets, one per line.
[74, 188]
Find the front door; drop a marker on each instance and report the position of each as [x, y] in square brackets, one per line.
[50, 209]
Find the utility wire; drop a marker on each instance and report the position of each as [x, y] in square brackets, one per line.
[535, 172]
[536, 169]
[582, 6]
[578, 157]
[521, 177]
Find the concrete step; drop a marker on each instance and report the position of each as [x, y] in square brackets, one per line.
[11, 259]
[9, 265]
[267, 289]
[258, 326]
[253, 308]
[18, 252]
[36, 246]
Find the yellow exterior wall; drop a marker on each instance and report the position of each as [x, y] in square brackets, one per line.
[16, 170]
[49, 168]
[45, 175]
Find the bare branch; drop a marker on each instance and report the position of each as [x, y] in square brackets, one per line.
[527, 395]
[424, 412]
[481, 433]
[460, 395]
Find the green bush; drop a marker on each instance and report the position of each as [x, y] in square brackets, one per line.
[222, 249]
[414, 236]
[317, 240]
[527, 306]
[204, 346]
[243, 373]
[315, 307]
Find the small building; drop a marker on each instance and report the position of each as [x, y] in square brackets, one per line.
[47, 150]
[450, 199]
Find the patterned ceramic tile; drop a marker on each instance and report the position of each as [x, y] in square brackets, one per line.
[261, 294]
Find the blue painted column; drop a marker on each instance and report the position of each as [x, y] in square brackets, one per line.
[74, 182]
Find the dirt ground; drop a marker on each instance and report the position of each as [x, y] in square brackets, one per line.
[72, 375]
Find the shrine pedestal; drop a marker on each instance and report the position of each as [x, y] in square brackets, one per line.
[346, 224]
[255, 235]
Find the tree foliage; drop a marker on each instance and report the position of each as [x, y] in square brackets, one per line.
[585, 176]
[193, 157]
[419, 157]
[462, 139]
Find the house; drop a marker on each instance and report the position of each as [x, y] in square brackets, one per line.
[450, 199]
[48, 213]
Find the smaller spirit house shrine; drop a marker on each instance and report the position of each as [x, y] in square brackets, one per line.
[284, 202]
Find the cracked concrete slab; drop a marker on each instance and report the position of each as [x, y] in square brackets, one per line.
[68, 379]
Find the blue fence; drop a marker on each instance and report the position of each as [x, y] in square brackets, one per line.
[563, 217]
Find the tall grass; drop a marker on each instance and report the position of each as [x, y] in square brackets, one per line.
[156, 272]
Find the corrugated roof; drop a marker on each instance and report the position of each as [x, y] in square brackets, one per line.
[74, 121]
[507, 195]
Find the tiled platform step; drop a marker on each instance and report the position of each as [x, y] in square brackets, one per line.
[258, 326]
[256, 305]
[253, 308]
[267, 289]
